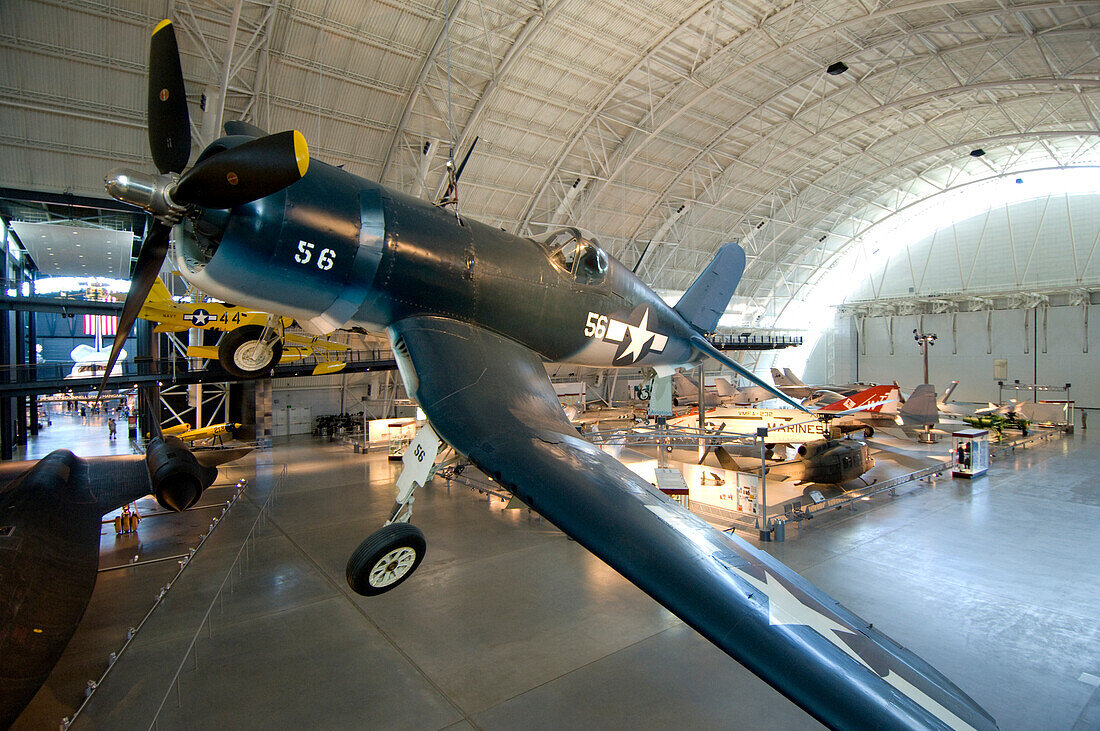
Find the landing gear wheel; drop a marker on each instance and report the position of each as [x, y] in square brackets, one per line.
[243, 354]
[385, 559]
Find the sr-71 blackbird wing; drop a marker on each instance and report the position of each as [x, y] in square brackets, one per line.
[490, 398]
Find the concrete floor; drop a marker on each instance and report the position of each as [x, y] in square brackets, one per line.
[509, 624]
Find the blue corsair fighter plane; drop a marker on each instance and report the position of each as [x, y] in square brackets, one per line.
[473, 312]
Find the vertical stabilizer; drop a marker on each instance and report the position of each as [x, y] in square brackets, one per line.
[920, 408]
[709, 295]
[725, 388]
[792, 378]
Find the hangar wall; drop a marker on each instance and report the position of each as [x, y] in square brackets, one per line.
[969, 355]
[981, 281]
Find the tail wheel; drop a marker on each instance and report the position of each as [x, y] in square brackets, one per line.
[385, 559]
[242, 353]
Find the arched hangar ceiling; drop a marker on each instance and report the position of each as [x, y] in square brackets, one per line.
[667, 125]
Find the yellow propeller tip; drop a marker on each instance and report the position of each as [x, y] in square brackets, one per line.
[301, 153]
[161, 25]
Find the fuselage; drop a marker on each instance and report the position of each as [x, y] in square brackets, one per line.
[338, 251]
[785, 426]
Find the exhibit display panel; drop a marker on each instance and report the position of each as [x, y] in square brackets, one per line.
[971, 453]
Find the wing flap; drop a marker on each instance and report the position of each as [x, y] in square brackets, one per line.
[490, 398]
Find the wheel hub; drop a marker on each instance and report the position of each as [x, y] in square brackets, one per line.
[252, 355]
[391, 567]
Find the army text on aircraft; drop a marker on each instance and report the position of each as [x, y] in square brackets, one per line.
[472, 313]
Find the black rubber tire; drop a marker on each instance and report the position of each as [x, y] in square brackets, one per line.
[234, 339]
[374, 548]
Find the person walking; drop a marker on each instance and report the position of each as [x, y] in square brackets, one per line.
[111, 426]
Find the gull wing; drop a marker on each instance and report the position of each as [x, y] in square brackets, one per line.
[490, 398]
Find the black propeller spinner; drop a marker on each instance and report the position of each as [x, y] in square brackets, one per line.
[225, 179]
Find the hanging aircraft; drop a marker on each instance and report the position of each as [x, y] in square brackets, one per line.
[241, 325]
[50, 512]
[89, 362]
[472, 313]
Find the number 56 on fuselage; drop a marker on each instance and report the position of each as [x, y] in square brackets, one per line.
[337, 251]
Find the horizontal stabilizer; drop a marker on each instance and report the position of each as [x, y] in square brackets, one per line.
[709, 295]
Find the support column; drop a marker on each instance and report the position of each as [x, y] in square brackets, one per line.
[265, 405]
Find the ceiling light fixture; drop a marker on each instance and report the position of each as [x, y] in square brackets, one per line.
[977, 152]
[837, 68]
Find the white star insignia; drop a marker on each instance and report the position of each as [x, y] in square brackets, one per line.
[784, 608]
[640, 335]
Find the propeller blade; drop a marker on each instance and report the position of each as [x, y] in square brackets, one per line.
[240, 127]
[150, 259]
[246, 172]
[169, 122]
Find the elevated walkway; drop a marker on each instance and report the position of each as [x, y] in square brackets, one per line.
[754, 341]
[44, 378]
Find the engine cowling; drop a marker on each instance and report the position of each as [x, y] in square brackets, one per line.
[812, 449]
[315, 247]
[177, 479]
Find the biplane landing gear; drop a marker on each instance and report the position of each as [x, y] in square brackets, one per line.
[250, 351]
[389, 555]
[385, 559]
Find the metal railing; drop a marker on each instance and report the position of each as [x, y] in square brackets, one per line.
[132, 633]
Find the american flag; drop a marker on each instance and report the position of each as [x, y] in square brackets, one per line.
[100, 324]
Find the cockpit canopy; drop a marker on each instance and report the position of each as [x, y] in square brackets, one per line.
[576, 254]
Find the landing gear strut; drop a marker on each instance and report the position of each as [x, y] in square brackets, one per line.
[251, 351]
[389, 555]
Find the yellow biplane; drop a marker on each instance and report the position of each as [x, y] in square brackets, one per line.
[253, 341]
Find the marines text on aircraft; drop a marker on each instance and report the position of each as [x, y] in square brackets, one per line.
[793, 426]
[472, 313]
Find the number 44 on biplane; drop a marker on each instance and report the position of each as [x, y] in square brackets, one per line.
[254, 341]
